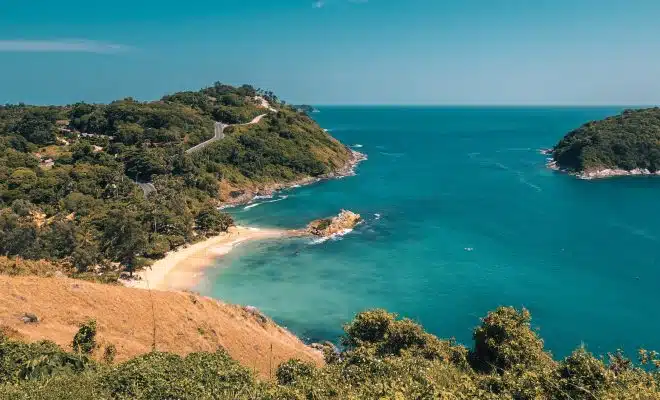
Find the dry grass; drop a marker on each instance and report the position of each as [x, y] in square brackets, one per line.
[184, 322]
[17, 266]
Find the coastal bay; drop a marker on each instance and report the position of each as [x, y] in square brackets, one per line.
[181, 269]
[460, 215]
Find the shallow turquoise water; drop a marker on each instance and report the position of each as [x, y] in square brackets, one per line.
[469, 219]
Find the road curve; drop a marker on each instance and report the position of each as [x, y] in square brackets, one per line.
[219, 134]
[147, 188]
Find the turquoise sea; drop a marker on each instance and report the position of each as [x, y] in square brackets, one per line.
[461, 217]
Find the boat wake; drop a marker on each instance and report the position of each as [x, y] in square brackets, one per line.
[396, 155]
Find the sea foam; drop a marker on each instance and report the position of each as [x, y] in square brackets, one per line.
[249, 206]
[336, 236]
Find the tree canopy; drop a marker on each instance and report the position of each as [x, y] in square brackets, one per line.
[68, 174]
[384, 358]
[627, 141]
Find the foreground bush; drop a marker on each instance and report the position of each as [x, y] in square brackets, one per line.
[383, 358]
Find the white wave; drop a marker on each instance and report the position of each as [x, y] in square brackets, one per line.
[469, 249]
[357, 146]
[377, 216]
[326, 130]
[319, 240]
[268, 196]
[283, 197]
[335, 236]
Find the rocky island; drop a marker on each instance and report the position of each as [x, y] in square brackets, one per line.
[331, 226]
[623, 145]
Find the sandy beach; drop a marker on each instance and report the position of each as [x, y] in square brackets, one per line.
[181, 269]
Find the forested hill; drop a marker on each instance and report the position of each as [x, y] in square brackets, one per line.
[68, 173]
[627, 141]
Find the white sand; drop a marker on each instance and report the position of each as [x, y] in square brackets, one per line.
[180, 269]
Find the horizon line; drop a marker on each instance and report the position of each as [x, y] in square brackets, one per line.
[477, 105]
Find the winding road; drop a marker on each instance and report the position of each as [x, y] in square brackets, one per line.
[147, 188]
[219, 134]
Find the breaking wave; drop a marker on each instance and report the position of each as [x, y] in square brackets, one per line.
[280, 198]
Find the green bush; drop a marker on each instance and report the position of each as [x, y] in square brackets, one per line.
[505, 340]
[85, 339]
[387, 358]
[293, 370]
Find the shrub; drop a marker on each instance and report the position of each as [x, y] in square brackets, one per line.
[109, 353]
[293, 370]
[505, 339]
[367, 327]
[85, 339]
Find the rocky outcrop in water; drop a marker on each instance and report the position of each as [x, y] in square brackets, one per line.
[330, 226]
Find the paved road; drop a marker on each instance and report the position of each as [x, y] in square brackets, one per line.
[219, 134]
[147, 188]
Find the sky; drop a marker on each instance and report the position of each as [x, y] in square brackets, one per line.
[427, 52]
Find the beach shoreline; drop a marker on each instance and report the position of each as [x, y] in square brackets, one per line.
[182, 268]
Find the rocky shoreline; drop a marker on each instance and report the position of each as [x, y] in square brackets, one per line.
[327, 227]
[597, 173]
[612, 173]
[248, 195]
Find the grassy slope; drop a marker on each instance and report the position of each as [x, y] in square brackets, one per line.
[185, 323]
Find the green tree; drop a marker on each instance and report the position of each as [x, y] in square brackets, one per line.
[124, 237]
[505, 339]
[211, 220]
[85, 339]
[37, 126]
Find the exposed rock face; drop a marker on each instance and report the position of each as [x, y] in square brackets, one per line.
[330, 226]
[611, 172]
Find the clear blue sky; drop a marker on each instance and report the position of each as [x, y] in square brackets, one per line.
[335, 51]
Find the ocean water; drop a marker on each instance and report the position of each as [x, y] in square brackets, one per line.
[461, 216]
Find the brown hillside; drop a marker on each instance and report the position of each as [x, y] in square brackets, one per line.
[184, 322]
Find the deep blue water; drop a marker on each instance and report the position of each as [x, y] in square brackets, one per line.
[470, 220]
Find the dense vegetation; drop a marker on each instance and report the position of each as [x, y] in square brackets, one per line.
[382, 358]
[305, 108]
[68, 173]
[627, 141]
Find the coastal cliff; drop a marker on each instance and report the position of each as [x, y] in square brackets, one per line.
[330, 226]
[627, 144]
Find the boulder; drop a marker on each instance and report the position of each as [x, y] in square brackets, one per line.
[330, 226]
